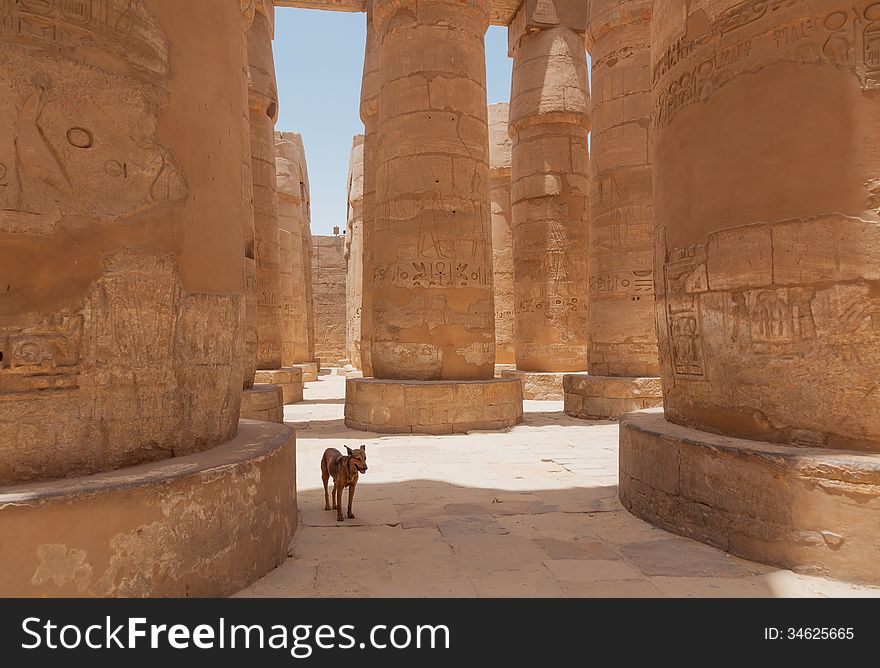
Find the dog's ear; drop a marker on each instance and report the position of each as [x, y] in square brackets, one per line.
[364, 448]
[348, 449]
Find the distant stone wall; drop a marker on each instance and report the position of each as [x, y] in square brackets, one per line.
[328, 295]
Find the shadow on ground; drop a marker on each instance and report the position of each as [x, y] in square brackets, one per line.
[427, 538]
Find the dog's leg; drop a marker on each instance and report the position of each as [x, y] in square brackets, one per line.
[325, 476]
[338, 506]
[334, 494]
[350, 497]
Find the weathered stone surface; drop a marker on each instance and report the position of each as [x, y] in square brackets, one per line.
[289, 379]
[354, 252]
[267, 250]
[292, 217]
[604, 397]
[264, 403]
[432, 307]
[121, 335]
[206, 524]
[431, 407]
[768, 246]
[502, 240]
[549, 123]
[814, 510]
[536, 385]
[328, 288]
[623, 339]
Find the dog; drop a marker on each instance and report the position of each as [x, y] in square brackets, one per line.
[344, 470]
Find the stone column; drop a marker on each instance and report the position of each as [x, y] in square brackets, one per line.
[354, 250]
[271, 299]
[313, 365]
[263, 115]
[295, 341]
[767, 196]
[248, 8]
[123, 306]
[549, 123]
[623, 359]
[432, 306]
[370, 117]
[289, 159]
[502, 241]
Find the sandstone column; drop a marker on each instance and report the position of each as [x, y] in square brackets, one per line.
[623, 358]
[289, 159]
[766, 131]
[354, 250]
[267, 235]
[370, 116]
[248, 9]
[549, 123]
[432, 303]
[313, 365]
[502, 241]
[263, 115]
[122, 308]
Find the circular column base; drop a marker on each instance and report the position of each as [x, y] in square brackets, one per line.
[609, 397]
[290, 379]
[538, 385]
[309, 371]
[264, 403]
[812, 510]
[431, 406]
[207, 524]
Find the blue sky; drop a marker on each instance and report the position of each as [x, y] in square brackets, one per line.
[319, 60]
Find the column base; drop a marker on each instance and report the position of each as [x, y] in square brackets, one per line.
[543, 386]
[207, 524]
[309, 370]
[289, 378]
[609, 397]
[812, 510]
[264, 403]
[432, 407]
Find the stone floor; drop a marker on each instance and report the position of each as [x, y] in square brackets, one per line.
[532, 511]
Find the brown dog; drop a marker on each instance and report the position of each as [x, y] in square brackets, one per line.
[344, 471]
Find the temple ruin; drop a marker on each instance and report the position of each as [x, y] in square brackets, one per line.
[661, 256]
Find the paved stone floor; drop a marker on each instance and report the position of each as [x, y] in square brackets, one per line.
[528, 512]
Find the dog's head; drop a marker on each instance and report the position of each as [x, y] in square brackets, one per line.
[358, 458]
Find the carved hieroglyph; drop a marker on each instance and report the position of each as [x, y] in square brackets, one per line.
[263, 114]
[549, 123]
[433, 312]
[767, 195]
[354, 252]
[502, 241]
[120, 329]
[370, 116]
[623, 340]
[291, 220]
[328, 289]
